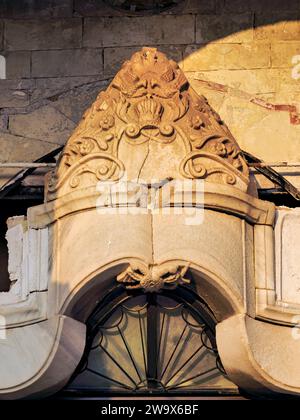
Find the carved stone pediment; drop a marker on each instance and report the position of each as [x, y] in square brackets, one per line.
[149, 124]
[68, 253]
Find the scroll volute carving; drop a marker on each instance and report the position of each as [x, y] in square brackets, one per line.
[149, 100]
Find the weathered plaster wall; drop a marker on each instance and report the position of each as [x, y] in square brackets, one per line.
[60, 53]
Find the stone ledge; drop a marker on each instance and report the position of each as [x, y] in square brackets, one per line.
[216, 197]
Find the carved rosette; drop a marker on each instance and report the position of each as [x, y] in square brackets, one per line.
[153, 278]
[149, 100]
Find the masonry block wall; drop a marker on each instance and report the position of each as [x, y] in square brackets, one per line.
[60, 53]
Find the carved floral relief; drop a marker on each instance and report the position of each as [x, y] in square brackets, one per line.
[149, 100]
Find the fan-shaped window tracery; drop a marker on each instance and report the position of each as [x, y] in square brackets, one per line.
[145, 343]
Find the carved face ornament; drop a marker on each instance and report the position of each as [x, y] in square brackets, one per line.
[149, 73]
[150, 100]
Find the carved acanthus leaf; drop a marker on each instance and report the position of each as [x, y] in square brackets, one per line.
[150, 100]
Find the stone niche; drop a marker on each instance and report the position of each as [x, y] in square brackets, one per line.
[151, 185]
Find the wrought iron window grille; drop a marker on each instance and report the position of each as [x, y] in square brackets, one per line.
[150, 343]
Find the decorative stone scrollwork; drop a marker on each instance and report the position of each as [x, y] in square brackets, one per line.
[193, 166]
[153, 278]
[102, 167]
[149, 101]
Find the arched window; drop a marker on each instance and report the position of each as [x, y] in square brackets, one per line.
[151, 343]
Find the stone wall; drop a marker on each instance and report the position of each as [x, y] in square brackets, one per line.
[60, 53]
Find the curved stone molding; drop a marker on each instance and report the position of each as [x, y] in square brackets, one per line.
[149, 107]
[216, 197]
[33, 308]
[277, 266]
[143, 240]
[40, 358]
[258, 356]
[219, 295]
